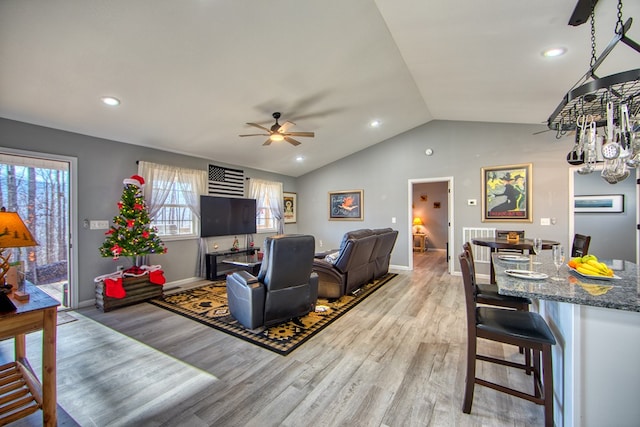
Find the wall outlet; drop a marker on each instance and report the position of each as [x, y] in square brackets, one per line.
[98, 224]
[393, 220]
[320, 243]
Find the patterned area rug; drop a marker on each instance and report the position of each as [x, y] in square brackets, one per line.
[208, 305]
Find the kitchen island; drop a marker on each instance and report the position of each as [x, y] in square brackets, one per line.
[597, 325]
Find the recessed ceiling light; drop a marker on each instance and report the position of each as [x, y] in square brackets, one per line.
[553, 52]
[375, 123]
[110, 100]
[299, 158]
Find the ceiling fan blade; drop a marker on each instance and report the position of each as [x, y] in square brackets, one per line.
[267, 142]
[256, 134]
[291, 141]
[286, 125]
[258, 126]
[309, 134]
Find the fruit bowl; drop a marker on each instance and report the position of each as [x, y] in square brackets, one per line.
[593, 276]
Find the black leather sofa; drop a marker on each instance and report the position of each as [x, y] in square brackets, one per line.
[363, 256]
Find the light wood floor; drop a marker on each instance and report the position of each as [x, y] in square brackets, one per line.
[397, 359]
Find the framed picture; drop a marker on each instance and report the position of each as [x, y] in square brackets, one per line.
[346, 205]
[611, 203]
[506, 193]
[290, 208]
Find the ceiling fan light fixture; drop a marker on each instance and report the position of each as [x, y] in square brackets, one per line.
[277, 137]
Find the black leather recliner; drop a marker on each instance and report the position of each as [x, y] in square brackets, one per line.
[351, 267]
[285, 287]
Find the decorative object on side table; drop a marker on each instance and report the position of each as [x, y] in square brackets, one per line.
[13, 234]
[130, 236]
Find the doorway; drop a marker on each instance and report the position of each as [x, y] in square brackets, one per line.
[39, 188]
[431, 206]
[605, 228]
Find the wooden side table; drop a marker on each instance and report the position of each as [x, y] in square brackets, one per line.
[419, 242]
[25, 394]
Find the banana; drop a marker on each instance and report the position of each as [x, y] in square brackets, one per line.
[598, 266]
[590, 271]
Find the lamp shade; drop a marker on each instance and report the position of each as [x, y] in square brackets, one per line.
[417, 221]
[13, 232]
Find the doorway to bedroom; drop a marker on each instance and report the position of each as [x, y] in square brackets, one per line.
[430, 219]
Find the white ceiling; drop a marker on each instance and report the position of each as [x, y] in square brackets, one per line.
[190, 73]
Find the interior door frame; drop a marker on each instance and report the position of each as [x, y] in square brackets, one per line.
[450, 216]
[73, 217]
[572, 171]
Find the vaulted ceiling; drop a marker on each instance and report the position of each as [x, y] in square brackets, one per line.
[191, 73]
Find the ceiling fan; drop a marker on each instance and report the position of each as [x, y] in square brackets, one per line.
[279, 132]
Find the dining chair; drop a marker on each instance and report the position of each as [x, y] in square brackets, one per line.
[518, 328]
[580, 245]
[487, 294]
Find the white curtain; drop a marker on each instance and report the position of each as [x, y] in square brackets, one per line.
[160, 180]
[269, 194]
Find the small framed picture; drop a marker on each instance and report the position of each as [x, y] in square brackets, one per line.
[612, 203]
[290, 208]
[506, 193]
[346, 205]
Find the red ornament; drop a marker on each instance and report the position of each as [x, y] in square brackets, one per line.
[120, 205]
[138, 207]
[145, 234]
[130, 223]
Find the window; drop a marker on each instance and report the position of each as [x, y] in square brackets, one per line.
[265, 223]
[175, 217]
[173, 198]
[269, 204]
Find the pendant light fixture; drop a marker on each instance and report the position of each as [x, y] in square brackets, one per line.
[612, 102]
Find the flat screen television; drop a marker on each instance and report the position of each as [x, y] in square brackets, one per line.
[226, 216]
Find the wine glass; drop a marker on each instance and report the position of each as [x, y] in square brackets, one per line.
[537, 248]
[558, 260]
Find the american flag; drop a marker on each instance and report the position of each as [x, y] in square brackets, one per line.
[226, 182]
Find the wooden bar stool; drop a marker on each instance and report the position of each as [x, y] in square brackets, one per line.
[487, 294]
[518, 328]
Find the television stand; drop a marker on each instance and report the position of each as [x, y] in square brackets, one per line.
[217, 268]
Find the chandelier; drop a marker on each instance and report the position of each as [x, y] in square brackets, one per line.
[611, 103]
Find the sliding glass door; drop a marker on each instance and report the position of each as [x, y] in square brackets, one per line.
[38, 188]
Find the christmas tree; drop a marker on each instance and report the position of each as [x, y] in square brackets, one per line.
[131, 235]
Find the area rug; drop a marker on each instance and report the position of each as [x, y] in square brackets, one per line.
[208, 305]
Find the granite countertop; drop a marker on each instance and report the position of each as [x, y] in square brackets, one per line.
[620, 294]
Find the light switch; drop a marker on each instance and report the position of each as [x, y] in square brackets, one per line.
[98, 224]
[545, 221]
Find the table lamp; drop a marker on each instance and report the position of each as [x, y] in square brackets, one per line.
[417, 223]
[13, 234]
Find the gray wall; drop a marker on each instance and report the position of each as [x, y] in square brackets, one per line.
[461, 149]
[611, 236]
[102, 165]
